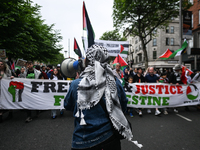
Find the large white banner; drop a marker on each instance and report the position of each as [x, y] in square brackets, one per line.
[20, 93]
[40, 94]
[159, 95]
[114, 47]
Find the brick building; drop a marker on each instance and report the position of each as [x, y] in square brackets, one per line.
[195, 32]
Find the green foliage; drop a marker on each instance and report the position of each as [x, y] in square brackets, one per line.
[142, 17]
[112, 36]
[24, 34]
[57, 60]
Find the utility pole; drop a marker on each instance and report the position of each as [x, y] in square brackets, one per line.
[69, 47]
[65, 53]
[180, 26]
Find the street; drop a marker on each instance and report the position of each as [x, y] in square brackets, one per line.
[166, 132]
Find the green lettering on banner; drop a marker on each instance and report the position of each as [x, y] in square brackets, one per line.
[156, 100]
[135, 101]
[143, 98]
[128, 96]
[149, 100]
[58, 99]
[165, 101]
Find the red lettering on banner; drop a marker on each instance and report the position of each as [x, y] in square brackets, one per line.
[166, 89]
[171, 89]
[143, 89]
[152, 90]
[179, 88]
[138, 89]
[160, 87]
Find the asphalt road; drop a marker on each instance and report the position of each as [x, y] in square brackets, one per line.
[166, 132]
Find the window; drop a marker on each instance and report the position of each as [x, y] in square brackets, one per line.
[140, 47]
[167, 30]
[140, 58]
[154, 31]
[154, 42]
[172, 29]
[190, 1]
[199, 40]
[136, 49]
[192, 21]
[172, 41]
[136, 59]
[199, 16]
[154, 54]
[167, 41]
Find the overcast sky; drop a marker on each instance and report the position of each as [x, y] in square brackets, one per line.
[67, 17]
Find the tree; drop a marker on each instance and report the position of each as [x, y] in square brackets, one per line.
[112, 36]
[141, 17]
[58, 60]
[24, 34]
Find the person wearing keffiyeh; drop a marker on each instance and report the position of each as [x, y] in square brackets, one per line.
[96, 85]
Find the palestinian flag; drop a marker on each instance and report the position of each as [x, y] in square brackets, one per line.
[88, 27]
[190, 71]
[12, 66]
[166, 54]
[123, 64]
[178, 52]
[120, 60]
[123, 51]
[77, 49]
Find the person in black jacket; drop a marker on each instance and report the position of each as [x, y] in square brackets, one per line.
[175, 78]
[139, 78]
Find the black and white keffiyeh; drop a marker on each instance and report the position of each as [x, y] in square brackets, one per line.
[98, 79]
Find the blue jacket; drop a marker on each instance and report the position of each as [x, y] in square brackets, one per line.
[98, 128]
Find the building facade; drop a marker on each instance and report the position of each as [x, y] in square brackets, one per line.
[167, 38]
[191, 59]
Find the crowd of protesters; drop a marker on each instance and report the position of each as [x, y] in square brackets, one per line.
[130, 75]
[172, 76]
[30, 72]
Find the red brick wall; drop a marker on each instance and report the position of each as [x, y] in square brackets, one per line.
[195, 11]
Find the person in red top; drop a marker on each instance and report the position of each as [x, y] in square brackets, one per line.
[43, 70]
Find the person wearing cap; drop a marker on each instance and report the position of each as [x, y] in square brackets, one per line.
[58, 67]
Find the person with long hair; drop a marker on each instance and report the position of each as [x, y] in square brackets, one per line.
[4, 73]
[55, 75]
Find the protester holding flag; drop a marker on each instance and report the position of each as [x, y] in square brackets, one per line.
[117, 72]
[91, 98]
[4, 73]
[177, 78]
